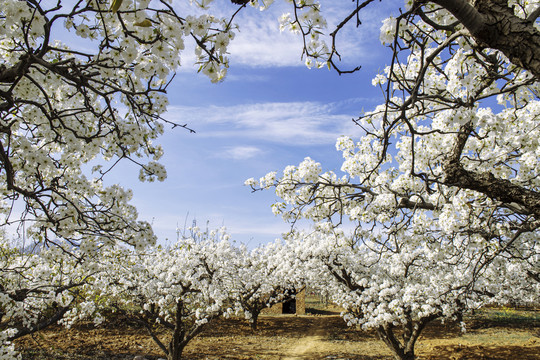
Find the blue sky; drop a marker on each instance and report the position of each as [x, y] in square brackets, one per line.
[270, 112]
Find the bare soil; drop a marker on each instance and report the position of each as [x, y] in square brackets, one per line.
[287, 337]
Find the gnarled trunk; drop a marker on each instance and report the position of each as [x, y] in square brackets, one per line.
[400, 351]
[177, 342]
[404, 350]
[254, 320]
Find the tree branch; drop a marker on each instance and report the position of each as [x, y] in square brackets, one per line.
[493, 24]
[42, 325]
[485, 182]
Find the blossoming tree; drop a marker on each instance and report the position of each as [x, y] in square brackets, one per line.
[398, 289]
[449, 158]
[37, 290]
[462, 104]
[454, 141]
[68, 108]
[264, 277]
[64, 107]
[181, 288]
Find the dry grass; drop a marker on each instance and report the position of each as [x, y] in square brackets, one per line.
[496, 334]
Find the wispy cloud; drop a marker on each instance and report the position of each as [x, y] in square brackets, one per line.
[300, 123]
[260, 43]
[248, 78]
[240, 152]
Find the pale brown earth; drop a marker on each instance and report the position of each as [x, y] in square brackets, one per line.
[288, 337]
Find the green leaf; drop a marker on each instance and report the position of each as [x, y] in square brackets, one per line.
[144, 23]
[115, 5]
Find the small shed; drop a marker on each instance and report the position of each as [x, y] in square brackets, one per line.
[291, 305]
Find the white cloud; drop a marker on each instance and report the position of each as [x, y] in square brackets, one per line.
[247, 78]
[260, 43]
[241, 152]
[300, 123]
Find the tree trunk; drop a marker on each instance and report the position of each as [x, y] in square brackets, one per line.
[177, 343]
[254, 320]
[400, 351]
[184, 333]
[175, 349]
[411, 331]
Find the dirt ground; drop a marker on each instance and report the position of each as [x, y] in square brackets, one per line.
[288, 337]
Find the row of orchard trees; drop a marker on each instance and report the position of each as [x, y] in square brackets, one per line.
[185, 286]
[181, 287]
[440, 189]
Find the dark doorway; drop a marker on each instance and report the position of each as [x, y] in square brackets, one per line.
[289, 306]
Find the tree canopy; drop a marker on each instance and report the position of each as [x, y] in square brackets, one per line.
[66, 108]
[444, 170]
[442, 176]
